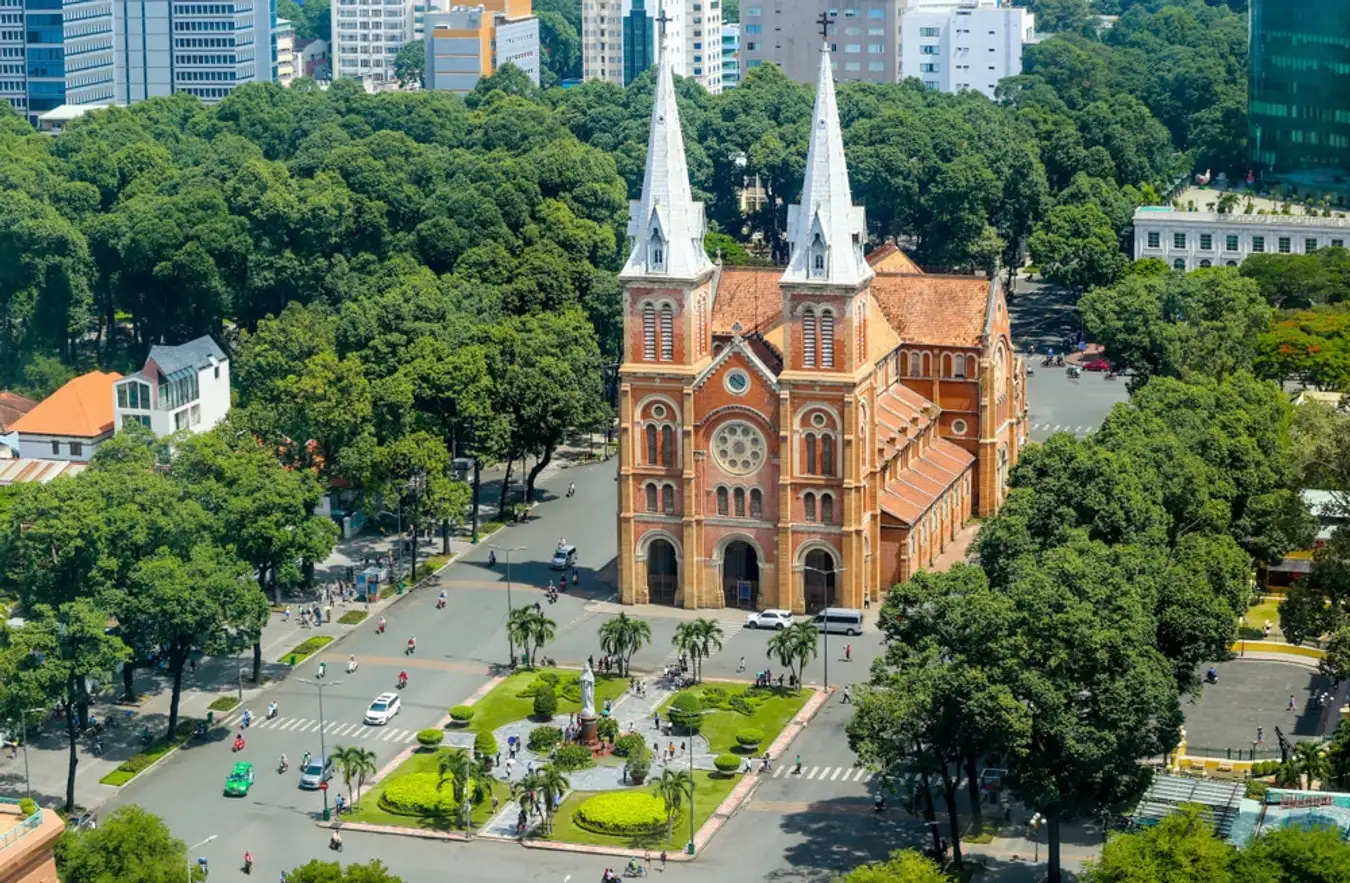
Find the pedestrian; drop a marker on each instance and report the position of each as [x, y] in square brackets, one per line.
[656, 721]
[797, 767]
[590, 662]
[1291, 703]
[741, 665]
[499, 758]
[848, 652]
[1265, 630]
[1260, 733]
[494, 804]
[647, 857]
[663, 860]
[848, 695]
[286, 614]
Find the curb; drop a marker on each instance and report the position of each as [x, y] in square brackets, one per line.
[159, 760]
[396, 831]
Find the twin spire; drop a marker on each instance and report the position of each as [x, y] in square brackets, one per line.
[826, 231]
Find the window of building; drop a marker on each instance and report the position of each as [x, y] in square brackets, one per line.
[217, 372]
[651, 444]
[1309, 245]
[754, 28]
[651, 498]
[826, 454]
[753, 10]
[876, 12]
[875, 48]
[809, 504]
[738, 499]
[180, 420]
[876, 66]
[1179, 264]
[826, 509]
[853, 47]
[1178, 240]
[1206, 242]
[928, 49]
[56, 448]
[1338, 243]
[77, 449]
[1154, 239]
[721, 501]
[1230, 242]
[1258, 244]
[756, 504]
[931, 68]
[929, 32]
[668, 499]
[958, 427]
[1205, 264]
[1285, 245]
[809, 442]
[649, 332]
[826, 339]
[667, 333]
[853, 65]
[809, 337]
[667, 446]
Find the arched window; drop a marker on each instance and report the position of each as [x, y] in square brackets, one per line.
[668, 499]
[809, 442]
[826, 339]
[946, 365]
[927, 366]
[667, 446]
[817, 256]
[809, 502]
[826, 509]
[658, 253]
[860, 329]
[915, 365]
[1179, 264]
[667, 333]
[651, 444]
[809, 337]
[651, 498]
[1205, 263]
[970, 366]
[649, 332]
[739, 499]
[701, 324]
[826, 454]
[756, 504]
[721, 501]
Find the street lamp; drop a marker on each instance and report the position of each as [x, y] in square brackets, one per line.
[416, 484]
[23, 741]
[323, 751]
[189, 855]
[510, 641]
[242, 669]
[833, 571]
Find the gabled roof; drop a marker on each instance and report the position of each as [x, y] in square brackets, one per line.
[935, 310]
[889, 258]
[28, 469]
[196, 354]
[737, 344]
[12, 407]
[749, 296]
[918, 487]
[83, 408]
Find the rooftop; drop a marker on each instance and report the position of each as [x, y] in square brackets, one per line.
[197, 354]
[12, 407]
[29, 469]
[935, 310]
[1160, 213]
[83, 408]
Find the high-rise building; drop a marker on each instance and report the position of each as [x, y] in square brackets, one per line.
[285, 37]
[367, 35]
[953, 45]
[1299, 84]
[639, 41]
[731, 56]
[69, 54]
[691, 29]
[470, 42]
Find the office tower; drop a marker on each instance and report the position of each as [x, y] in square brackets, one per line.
[67, 63]
[692, 32]
[285, 37]
[731, 56]
[367, 35]
[639, 41]
[953, 46]
[470, 42]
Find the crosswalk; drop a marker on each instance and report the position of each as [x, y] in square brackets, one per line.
[393, 735]
[1063, 427]
[824, 773]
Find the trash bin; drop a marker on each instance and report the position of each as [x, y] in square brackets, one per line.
[292, 660]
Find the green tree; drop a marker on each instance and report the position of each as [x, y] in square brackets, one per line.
[1294, 853]
[128, 844]
[467, 776]
[674, 788]
[708, 639]
[553, 784]
[353, 763]
[622, 636]
[903, 866]
[414, 475]
[795, 646]
[410, 65]
[333, 872]
[1182, 848]
[531, 629]
[1076, 246]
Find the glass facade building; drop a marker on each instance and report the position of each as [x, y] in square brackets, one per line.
[639, 42]
[1299, 84]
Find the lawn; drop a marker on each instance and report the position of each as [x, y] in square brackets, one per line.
[504, 703]
[306, 649]
[1257, 615]
[352, 617]
[371, 813]
[223, 703]
[771, 715]
[138, 763]
[710, 789]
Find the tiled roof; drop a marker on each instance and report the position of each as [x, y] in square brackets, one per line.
[890, 259]
[12, 407]
[927, 478]
[83, 408]
[42, 471]
[936, 310]
[750, 296]
[901, 415]
[193, 354]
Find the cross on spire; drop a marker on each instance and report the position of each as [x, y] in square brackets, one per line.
[661, 21]
[825, 23]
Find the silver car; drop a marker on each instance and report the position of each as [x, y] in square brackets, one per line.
[769, 619]
[312, 775]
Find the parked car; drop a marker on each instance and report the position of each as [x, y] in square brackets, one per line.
[239, 780]
[383, 709]
[769, 619]
[1097, 365]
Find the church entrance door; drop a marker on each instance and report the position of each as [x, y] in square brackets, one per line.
[818, 581]
[740, 576]
[663, 573]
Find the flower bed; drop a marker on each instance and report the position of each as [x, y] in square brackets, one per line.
[622, 813]
[417, 795]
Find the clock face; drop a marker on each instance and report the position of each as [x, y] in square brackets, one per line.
[738, 448]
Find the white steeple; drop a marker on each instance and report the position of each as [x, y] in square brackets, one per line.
[666, 226]
[826, 231]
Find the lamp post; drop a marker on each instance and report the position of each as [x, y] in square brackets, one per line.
[323, 751]
[189, 855]
[416, 484]
[510, 641]
[826, 631]
[23, 740]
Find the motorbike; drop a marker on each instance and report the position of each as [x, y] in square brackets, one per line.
[379, 627]
[238, 743]
[335, 843]
[635, 871]
[440, 603]
[492, 559]
[271, 711]
[248, 864]
[880, 806]
[282, 767]
[1110, 375]
[402, 682]
[351, 666]
[1047, 362]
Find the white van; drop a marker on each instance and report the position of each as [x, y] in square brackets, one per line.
[837, 620]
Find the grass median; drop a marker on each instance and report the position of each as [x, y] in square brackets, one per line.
[710, 789]
[370, 812]
[306, 649]
[223, 703]
[138, 763]
[770, 711]
[352, 617]
[510, 700]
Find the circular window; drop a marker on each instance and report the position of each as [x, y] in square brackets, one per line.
[738, 448]
[737, 381]
[658, 411]
[817, 419]
[959, 427]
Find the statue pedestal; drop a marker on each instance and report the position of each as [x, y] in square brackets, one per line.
[589, 723]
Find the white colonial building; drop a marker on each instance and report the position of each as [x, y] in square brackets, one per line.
[1192, 240]
[181, 387]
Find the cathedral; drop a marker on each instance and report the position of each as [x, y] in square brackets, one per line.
[804, 436]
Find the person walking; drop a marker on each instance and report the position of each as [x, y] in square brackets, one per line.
[663, 860]
[848, 695]
[848, 652]
[1291, 703]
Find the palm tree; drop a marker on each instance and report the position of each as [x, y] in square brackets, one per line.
[543, 631]
[673, 787]
[526, 791]
[466, 775]
[353, 763]
[710, 636]
[552, 785]
[519, 625]
[622, 636]
[531, 629]
[686, 641]
[1312, 762]
[794, 646]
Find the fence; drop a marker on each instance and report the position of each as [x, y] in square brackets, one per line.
[10, 837]
[1248, 753]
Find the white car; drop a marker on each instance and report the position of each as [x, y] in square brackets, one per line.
[769, 619]
[383, 709]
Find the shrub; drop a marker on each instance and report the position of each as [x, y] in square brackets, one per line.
[416, 794]
[1257, 790]
[741, 705]
[549, 677]
[622, 812]
[727, 763]
[429, 738]
[27, 806]
[571, 690]
[639, 762]
[625, 745]
[607, 728]
[485, 744]
[544, 738]
[545, 703]
[461, 714]
[305, 649]
[686, 712]
[224, 703]
[573, 757]
[750, 737]
[715, 697]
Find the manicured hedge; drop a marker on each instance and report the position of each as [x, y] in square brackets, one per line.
[607, 728]
[461, 714]
[485, 743]
[27, 806]
[545, 703]
[750, 737]
[622, 812]
[686, 711]
[573, 757]
[715, 697]
[223, 703]
[416, 794]
[727, 763]
[627, 743]
[429, 738]
[306, 649]
[544, 738]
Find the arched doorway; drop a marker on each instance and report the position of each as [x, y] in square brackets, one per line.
[740, 575]
[663, 573]
[818, 581]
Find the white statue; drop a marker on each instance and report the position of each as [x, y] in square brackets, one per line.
[588, 692]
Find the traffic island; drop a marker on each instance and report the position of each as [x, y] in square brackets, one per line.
[415, 798]
[158, 750]
[306, 649]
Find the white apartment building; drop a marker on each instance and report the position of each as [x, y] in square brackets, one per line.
[181, 387]
[367, 35]
[693, 30]
[285, 34]
[963, 44]
[1193, 240]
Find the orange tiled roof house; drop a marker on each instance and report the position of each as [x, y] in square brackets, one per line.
[802, 437]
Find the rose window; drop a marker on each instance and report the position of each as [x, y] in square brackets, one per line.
[738, 448]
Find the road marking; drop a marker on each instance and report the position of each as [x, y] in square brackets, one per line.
[405, 662]
[812, 773]
[389, 735]
[344, 729]
[868, 777]
[836, 774]
[778, 771]
[409, 737]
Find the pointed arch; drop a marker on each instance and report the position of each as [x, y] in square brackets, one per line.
[738, 502]
[667, 445]
[827, 338]
[667, 332]
[809, 337]
[650, 433]
[809, 447]
[827, 508]
[809, 505]
[651, 496]
[722, 507]
[827, 453]
[668, 499]
[649, 332]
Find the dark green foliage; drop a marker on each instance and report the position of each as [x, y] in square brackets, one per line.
[686, 711]
[542, 739]
[573, 757]
[545, 702]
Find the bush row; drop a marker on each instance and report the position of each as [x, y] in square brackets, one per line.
[417, 794]
[542, 739]
[621, 812]
[573, 757]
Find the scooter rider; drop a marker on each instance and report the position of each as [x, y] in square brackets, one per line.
[272, 709]
[412, 645]
[285, 764]
[379, 629]
[403, 679]
[492, 559]
[351, 664]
